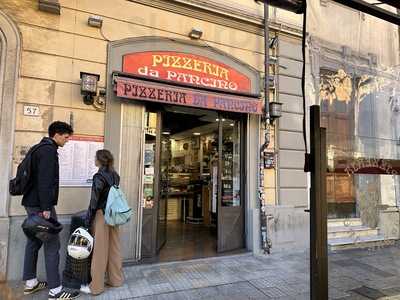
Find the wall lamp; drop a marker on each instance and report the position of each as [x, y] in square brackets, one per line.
[275, 111]
[95, 21]
[89, 87]
[195, 34]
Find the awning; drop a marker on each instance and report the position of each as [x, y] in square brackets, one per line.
[145, 90]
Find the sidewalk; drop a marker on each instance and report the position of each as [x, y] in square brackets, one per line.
[354, 275]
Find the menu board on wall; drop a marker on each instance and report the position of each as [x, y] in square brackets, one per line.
[77, 160]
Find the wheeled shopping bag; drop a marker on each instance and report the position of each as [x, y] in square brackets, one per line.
[76, 271]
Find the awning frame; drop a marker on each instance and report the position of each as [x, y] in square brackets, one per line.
[374, 9]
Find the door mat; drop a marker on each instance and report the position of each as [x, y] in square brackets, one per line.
[369, 293]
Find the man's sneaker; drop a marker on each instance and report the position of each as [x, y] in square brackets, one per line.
[64, 295]
[40, 286]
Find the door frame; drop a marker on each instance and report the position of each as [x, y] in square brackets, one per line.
[243, 178]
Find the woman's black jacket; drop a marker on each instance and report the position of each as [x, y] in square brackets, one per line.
[103, 180]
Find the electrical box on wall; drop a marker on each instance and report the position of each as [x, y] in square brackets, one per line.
[269, 160]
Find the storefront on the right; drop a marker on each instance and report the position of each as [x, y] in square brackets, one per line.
[354, 79]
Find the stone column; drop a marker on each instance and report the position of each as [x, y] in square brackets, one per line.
[9, 64]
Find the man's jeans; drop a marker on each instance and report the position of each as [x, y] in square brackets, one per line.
[51, 255]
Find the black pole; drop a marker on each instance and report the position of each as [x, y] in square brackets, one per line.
[372, 10]
[266, 67]
[265, 241]
[318, 208]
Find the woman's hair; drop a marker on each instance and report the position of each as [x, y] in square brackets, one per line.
[106, 159]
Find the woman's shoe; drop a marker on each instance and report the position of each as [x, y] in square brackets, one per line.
[85, 289]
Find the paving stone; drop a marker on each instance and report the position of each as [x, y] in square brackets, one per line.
[394, 291]
[369, 292]
[267, 282]
[337, 294]
[278, 276]
[274, 292]
[345, 283]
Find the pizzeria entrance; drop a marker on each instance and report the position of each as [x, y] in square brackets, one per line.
[192, 187]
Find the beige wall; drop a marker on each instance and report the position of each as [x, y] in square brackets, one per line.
[362, 33]
[56, 48]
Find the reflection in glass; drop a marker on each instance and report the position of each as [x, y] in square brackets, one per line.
[230, 163]
[149, 159]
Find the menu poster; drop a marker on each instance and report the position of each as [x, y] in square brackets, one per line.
[77, 160]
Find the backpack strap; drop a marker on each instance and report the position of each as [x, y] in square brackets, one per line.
[35, 148]
[107, 180]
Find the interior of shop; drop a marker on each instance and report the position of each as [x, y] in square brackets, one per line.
[187, 175]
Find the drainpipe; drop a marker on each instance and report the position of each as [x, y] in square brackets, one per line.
[265, 241]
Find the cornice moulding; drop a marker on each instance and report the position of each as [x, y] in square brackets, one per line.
[221, 13]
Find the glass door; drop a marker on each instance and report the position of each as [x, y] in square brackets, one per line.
[165, 161]
[230, 200]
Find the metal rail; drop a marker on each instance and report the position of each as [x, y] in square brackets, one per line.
[394, 3]
[374, 10]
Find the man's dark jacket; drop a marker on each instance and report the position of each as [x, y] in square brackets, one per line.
[45, 177]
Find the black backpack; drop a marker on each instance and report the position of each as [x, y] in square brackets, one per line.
[22, 181]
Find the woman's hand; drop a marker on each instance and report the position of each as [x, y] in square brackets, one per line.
[88, 219]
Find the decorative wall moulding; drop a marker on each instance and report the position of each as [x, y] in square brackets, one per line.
[324, 2]
[51, 6]
[230, 16]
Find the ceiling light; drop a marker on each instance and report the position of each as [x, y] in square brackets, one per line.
[196, 133]
[196, 33]
[166, 133]
[232, 124]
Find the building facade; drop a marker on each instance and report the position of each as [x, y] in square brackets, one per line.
[54, 44]
[189, 167]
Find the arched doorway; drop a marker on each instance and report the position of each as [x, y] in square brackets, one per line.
[184, 185]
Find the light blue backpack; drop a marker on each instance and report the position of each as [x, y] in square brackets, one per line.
[117, 210]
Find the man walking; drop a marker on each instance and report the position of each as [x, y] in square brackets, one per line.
[41, 199]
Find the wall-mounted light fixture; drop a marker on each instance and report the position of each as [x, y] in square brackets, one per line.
[275, 110]
[51, 6]
[95, 21]
[195, 34]
[89, 87]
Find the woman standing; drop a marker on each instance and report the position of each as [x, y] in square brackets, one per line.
[106, 257]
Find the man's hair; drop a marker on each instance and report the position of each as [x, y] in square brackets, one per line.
[60, 128]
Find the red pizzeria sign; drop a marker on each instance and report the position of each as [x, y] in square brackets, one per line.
[186, 68]
[164, 93]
